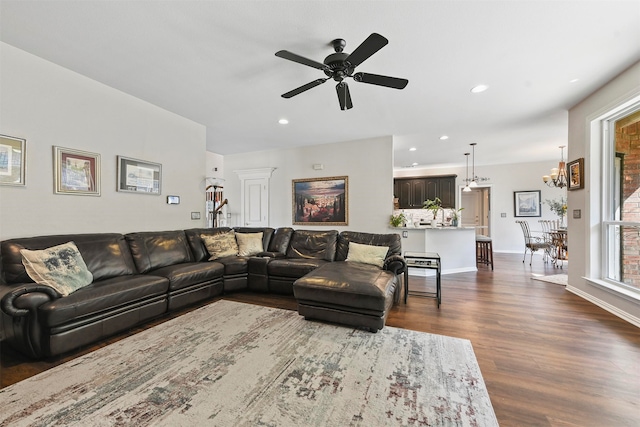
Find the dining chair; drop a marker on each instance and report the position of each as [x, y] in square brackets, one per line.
[533, 243]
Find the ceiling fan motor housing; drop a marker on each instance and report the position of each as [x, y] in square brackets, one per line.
[338, 67]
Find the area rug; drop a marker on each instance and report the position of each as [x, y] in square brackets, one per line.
[234, 364]
[558, 279]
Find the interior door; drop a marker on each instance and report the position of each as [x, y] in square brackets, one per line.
[476, 211]
[255, 206]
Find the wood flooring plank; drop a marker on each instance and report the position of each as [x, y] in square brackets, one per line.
[547, 356]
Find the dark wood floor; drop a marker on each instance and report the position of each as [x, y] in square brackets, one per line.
[548, 357]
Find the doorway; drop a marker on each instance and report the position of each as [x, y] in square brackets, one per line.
[477, 209]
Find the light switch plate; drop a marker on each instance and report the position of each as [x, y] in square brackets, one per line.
[503, 215]
[195, 215]
[405, 234]
[577, 213]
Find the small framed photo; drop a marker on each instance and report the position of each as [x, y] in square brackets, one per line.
[576, 174]
[527, 203]
[139, 176]
[76, 172]
[12, 160]
[173, 200]
[321, 201]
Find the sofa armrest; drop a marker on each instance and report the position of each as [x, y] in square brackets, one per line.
[395, 263]
[19, 300]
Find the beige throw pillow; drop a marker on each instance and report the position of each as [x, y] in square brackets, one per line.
[367, 254]
[60, 267]
[249, 243]
[220, 245]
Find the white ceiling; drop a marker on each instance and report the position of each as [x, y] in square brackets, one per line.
[214, 62]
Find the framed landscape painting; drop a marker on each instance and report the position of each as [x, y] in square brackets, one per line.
[12, 160]
[139, 176]
[321, 201]
[527, 203]
[76, 172]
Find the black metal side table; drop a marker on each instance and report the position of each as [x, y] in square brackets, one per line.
[428, 260]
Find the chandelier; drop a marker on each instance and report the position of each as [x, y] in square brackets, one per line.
[558, 176]
[473, 181]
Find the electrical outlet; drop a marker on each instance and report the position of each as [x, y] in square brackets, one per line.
[228, 215]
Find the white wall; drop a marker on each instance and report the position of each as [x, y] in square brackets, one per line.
[368, 164]
[585, 232]
[49, 105]
[504, 180]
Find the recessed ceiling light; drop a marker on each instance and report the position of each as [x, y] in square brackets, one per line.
[283, 121]
[414, 164]
[412, 149]
[573, 80]
[443, 137]
[479, 88]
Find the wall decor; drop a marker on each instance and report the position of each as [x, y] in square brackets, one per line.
[576, 174]
[76, 172]
[139, 176]
[527, 203]
[12, 160]
[173, 200]
[321, 201]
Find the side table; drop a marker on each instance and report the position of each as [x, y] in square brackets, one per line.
[428, 260]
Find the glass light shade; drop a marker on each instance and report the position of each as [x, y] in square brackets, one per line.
[466, 189]
[473, 184]
[546, 178]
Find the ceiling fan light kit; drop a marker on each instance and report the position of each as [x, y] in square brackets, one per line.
[340, 65]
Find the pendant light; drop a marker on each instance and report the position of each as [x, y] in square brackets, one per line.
[466, 188]
[474, 179]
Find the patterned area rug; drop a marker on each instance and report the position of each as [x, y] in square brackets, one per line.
[234, 364]
[558, 279]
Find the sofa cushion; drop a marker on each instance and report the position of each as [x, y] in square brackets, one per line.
[155, 249]
[220, 245]
[367, 254]
[106, 295]
[234, 265]
[313, 244]
[105, 254]
[392, 241]
[60, 267]
[188, 274]
[297, 267]
[347, 284]
[249, 244]
[194, 237]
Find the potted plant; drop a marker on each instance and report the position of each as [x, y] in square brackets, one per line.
[559, 207]
[434, 206]
[397, 220]
[455, 216]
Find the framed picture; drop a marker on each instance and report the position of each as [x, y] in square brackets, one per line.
[76, 172]
[527, 203]
[139, 176]
[576, 174]
[321, 201]
[12, 160]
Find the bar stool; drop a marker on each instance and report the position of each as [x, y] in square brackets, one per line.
[484, 251]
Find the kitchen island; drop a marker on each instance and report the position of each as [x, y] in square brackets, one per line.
[456, 246]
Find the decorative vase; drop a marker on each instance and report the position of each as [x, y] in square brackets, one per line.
[454, 222]
[434, 223]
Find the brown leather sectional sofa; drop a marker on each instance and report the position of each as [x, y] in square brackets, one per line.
[140, 276]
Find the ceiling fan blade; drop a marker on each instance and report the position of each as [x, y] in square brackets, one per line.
[371, 45]
[303, 88]
[344, 97]
[301, 60]
[376, 79]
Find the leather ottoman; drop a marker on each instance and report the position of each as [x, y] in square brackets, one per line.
[347, 293]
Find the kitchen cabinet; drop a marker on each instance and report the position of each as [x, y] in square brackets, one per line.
[412, 192]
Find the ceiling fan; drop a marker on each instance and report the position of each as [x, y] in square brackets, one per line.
[340, 65]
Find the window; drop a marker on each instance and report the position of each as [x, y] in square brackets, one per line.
[621, 193]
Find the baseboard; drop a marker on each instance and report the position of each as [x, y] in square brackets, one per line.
[605, 305]
[424, 272]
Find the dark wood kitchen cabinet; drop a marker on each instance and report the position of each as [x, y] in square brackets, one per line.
[412, 192]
